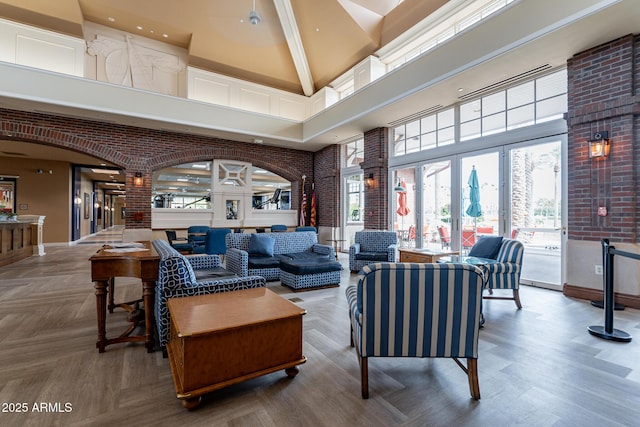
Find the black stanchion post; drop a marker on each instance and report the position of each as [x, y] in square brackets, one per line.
[605, 255]
[608, 332]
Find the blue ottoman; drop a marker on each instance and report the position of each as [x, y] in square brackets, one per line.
[303, 274]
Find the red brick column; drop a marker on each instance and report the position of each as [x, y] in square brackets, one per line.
[603, 95]
[376, 161]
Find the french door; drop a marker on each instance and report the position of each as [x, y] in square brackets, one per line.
[536, 210]
[519, 195]
[353, 203]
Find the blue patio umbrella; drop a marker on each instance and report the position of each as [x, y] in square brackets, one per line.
[475, 209]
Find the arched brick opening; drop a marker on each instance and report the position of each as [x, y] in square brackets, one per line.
[145, 150]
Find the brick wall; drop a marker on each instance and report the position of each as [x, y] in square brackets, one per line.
[146, 150]
[376, 161]
[327, 173]
[603, 95]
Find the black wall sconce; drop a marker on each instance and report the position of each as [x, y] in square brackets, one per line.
[137, 179]
[599, 145]
[369, 181]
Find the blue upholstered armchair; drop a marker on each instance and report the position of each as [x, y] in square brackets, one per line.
[181, 276]
[372, 246]
[505, 272]
[215, 243]
[197, 235]
[417, 310]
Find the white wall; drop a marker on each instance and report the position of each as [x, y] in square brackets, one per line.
[222, 90]
[33, 47]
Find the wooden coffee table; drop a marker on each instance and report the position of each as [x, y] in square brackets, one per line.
[422, 255]
[222, 339]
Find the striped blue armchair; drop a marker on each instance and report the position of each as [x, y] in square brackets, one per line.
[417, 310]
[505, 272]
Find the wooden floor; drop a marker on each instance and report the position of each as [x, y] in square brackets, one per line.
[537, 366]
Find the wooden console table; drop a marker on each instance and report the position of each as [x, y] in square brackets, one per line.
[422, 255]
[105, 266]
[226, 338]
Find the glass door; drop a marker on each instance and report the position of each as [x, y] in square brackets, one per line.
[536, 211]
[480, 193]
[354, 207]
[436, 205]
[404, 209]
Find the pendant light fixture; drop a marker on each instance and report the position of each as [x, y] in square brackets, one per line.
[254, 17]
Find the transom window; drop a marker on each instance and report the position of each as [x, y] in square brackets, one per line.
[537, 101]
[353, 153]
[529, 103]
[431, 131]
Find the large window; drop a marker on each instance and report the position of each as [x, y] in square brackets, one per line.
[529, 103]
[472, 13]
[431, 131]
[537, 101]
[352, 212]
[354, 198]
[189, 186]
[353, 153]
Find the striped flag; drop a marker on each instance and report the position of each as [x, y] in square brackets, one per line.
[303, 207]
[312, 218]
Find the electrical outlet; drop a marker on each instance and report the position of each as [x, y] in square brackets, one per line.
[598, 270]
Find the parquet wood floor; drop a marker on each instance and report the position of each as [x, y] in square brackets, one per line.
[537, 366]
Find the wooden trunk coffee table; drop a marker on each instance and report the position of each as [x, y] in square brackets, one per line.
[222, 339]
[422, 255]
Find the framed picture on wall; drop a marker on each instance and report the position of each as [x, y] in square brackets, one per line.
[87, 206]
[7, 194]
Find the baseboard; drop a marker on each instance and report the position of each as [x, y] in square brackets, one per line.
[572, 291]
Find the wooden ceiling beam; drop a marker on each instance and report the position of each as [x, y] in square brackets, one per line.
[294, 41]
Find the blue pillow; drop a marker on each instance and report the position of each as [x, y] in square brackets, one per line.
[486, 247]
[261, 245]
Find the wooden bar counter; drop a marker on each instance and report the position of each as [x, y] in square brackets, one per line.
[16, 241]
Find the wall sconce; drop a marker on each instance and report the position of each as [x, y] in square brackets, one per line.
[137, 180]
[369, 181]
[77, 200]
[599, 145]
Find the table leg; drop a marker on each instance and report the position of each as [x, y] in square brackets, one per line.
[112, 304]
[148, 293]
[292, 372]
[101, 310]
[192, 403]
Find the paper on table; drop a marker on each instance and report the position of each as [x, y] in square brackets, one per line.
[124, 250]
[127, 245]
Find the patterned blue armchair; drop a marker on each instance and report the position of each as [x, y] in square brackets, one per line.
[372, 246]
[417, 310]
[505, 272]
[181, 276]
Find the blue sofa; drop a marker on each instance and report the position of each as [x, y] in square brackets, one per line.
[294, 258]
[181, 276]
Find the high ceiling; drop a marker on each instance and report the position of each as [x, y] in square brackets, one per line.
[298, 46]
[525, 38]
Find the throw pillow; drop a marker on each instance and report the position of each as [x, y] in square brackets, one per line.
[261, 245]
[486, 247]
